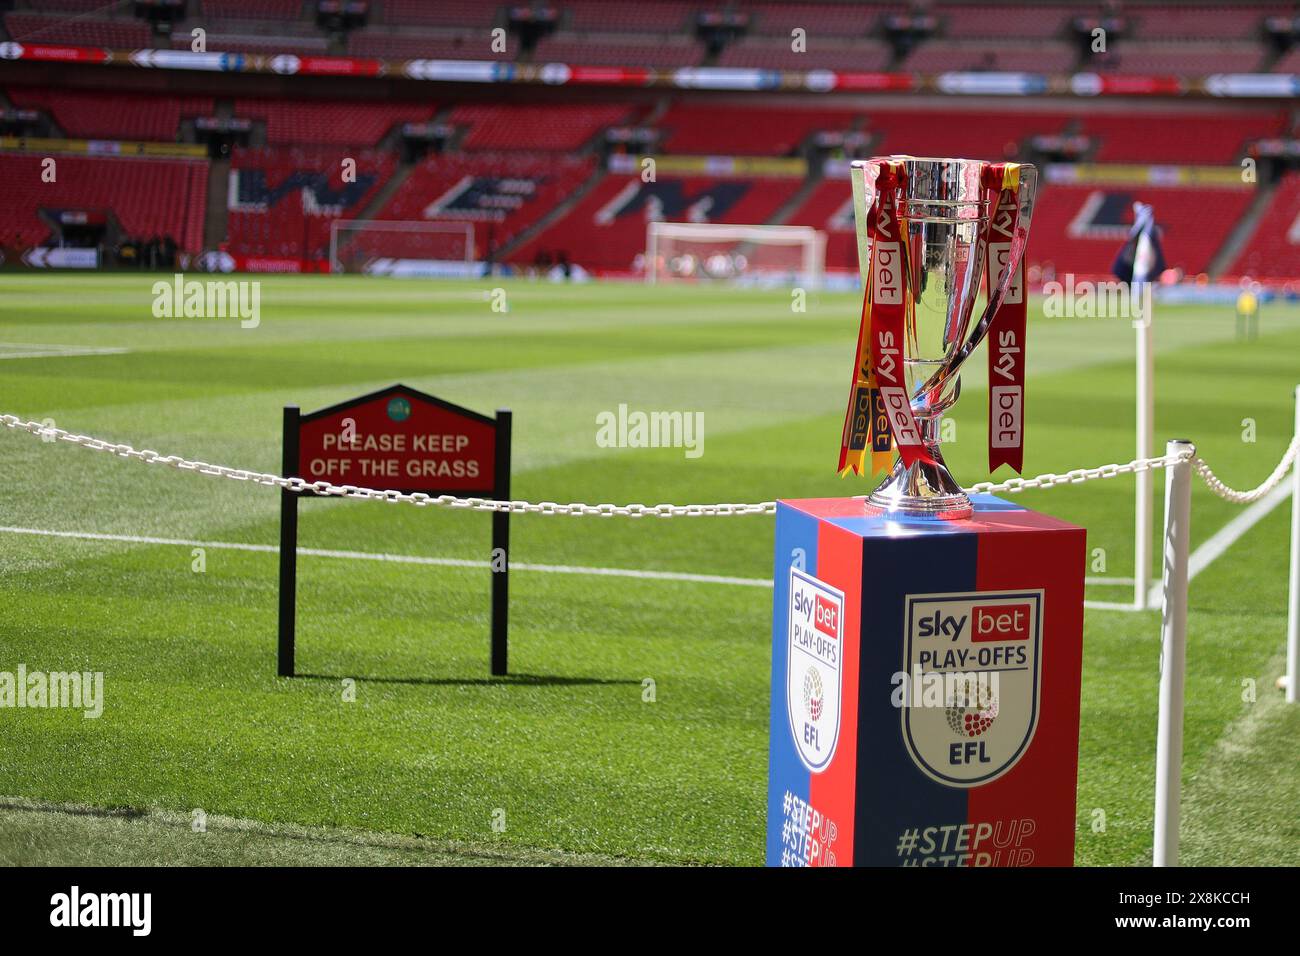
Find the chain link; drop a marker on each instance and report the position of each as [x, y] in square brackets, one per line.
[1259, 491]
[302, 486]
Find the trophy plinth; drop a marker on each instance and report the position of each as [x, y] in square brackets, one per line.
[922, 490]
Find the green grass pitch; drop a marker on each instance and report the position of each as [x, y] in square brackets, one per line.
[566, 754]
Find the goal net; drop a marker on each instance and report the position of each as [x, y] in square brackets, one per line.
[399, 247]
[693, 252]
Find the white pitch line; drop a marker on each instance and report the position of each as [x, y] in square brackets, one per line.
[441, 562]
[397, 558]
[53, 351]
[1213, 547]
[1102, 582]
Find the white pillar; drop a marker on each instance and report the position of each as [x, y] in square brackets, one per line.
[1293, 590]
[1173, 655]
[1146, 413]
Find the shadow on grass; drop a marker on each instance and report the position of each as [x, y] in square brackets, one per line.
[523, 680]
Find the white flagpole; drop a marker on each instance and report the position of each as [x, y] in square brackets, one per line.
[1146, 413]
[1173, 656]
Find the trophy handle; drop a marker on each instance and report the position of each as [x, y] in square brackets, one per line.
[1025, 195]
[863, 173]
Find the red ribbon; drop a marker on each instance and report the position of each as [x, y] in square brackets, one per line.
[889, 304]
[1007, 331]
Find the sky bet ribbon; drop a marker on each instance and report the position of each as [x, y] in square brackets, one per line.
[1007, 334]
[890, 303]
[865, 430]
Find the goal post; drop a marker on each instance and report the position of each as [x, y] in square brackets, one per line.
[401, 247]
[705, 251]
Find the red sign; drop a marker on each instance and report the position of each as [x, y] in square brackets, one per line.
[399, 439]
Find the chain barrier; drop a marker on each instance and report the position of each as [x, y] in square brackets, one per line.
[722, 509]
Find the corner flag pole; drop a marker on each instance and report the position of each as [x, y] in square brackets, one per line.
[1139, 261]
[1146, 413]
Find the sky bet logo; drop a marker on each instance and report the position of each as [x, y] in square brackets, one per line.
[975, 638]
[998, 622]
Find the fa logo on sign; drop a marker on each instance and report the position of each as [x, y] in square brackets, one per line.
[986, 649]
[813, 668]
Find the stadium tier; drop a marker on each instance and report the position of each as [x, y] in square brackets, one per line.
[147, 197]
[1274, 248]
[606, 230]
[731, 129]
[118, 34]
[318, 121]
[527, 159]
[110, 115]
[555, 128]
[501, 193]
[1079, 228]
[283, 199]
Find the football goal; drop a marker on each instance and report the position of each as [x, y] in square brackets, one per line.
[704, 252]
[401, 247]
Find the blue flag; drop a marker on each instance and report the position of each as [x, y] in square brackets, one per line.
[1140, 259]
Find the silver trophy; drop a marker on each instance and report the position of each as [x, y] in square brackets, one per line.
[947, 219]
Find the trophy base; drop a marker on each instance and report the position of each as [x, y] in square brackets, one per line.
[921, 491]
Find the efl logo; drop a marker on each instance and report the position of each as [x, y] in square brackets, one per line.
[813, 668]
[973, 640]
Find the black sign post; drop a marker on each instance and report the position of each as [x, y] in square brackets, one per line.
[501, 546]
[288, 544]
[401, 440]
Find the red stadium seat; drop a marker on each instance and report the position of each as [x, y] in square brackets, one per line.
[532, 187]
[1273, 251]
[114, 34]
[1195, 223]
[110, 115]
[343, 123]
[733, 129]
[296, 223]
[607, 229]
[554, 127]
[148, 196]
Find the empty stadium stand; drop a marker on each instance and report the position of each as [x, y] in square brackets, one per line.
[1273, 251]
[501, 193]
[729, 129]
[148, 196]
[606, 230]
[283, 199]
[346, 123]
[123, 33]
[109, 115]
[559, 127]
[1072, 234]
[1212, 136]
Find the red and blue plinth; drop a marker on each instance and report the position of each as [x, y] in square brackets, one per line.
[925, 687]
